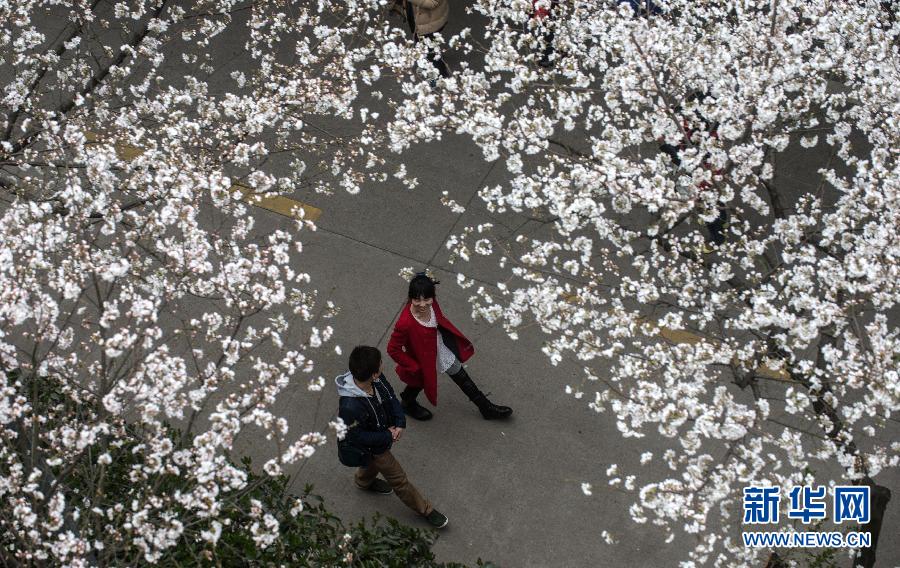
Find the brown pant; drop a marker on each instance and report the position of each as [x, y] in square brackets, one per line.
[388, 466]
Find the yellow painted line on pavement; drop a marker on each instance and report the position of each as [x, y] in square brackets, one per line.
[123, 151]
[279, 204]
[570, 298]
[275, 203]
[681, 336]
[776, 374]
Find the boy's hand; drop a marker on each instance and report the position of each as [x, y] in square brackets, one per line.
[396, 432]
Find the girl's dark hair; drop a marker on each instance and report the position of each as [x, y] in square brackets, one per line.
[421, 286]
[364, 362]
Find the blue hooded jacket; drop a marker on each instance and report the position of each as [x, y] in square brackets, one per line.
[368, 417]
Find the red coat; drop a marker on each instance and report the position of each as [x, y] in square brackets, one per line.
[539, 12]
[413, 347]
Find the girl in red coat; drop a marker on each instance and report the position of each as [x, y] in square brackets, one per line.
[425, 343]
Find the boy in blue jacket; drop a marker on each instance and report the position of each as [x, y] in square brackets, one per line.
[375, 420]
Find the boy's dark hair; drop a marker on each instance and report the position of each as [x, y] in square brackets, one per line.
[364, 362]
[421, 286]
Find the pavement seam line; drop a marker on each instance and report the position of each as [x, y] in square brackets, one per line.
[441, 245]
[460, 215]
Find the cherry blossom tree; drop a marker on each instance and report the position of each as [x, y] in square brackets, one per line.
[145, 320]
[712, 298]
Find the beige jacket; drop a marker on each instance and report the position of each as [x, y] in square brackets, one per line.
[430, 15]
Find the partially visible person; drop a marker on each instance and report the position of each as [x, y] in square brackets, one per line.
[425, 343]
[695, 124]
[426, 18]
[642, 7]
[543, 12]
[375, 421]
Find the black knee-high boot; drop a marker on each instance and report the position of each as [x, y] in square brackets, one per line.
[411, 407]
[488, 409]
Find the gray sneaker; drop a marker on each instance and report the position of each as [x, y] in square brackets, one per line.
[379, 486]
[436, 519]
